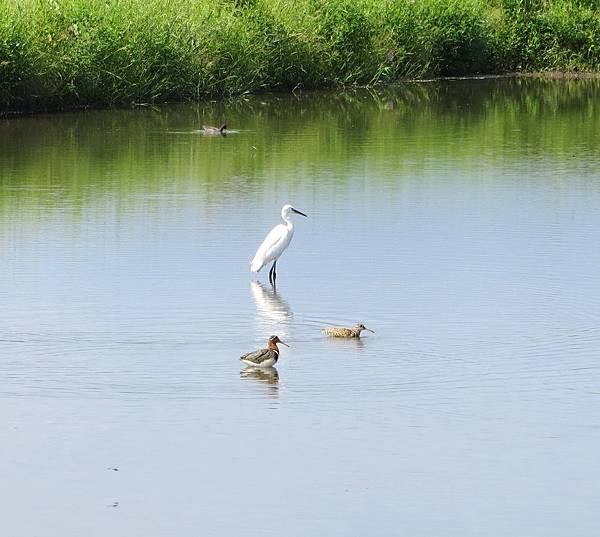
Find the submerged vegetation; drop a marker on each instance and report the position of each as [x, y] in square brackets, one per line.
[61, 53]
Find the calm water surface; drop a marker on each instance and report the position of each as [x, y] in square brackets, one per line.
[459, 220]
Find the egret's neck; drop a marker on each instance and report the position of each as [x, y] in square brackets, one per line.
[288, 221]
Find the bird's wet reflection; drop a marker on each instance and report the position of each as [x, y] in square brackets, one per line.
[273, 313]
[265, 375]
[339, 343]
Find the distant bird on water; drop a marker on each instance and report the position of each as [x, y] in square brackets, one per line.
[215, 131]
[355, 331]
[264, 357]
[275, 244]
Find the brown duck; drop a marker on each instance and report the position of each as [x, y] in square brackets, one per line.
[264, 357]
[335, 331]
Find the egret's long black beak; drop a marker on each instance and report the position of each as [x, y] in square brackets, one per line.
[298, 212]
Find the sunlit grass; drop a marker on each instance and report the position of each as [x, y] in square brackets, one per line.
[106, 52]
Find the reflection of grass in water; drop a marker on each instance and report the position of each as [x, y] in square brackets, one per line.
[120, 153]
[69, 52]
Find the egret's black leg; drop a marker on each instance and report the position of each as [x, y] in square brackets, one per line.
[273, 274]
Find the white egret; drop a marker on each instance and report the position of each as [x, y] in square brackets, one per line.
[275, 244]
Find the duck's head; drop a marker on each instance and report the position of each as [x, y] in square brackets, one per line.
[360, 327]
[273, 340]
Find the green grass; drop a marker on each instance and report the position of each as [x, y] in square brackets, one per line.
[64, 53]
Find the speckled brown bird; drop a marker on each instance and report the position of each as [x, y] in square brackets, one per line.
[264, 357]
[355, 331]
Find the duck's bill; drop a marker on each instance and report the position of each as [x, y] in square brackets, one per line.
[283, 343]
[299, 212]
[372, 331]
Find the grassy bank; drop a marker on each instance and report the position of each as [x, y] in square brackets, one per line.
[58, 53]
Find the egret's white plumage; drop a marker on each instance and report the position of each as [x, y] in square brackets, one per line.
[275, 243]
[273, 246]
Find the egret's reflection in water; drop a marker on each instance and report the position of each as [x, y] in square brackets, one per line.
[273, 313]
[266, 375]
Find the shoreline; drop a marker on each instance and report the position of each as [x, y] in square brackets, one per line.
[79, 54]
[559, 75]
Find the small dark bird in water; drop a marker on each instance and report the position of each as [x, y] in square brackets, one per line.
[264, 357]
[215, 131]
[355, 331]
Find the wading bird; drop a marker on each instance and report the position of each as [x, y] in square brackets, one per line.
[275, 244]
[264, 357]
[355, 331]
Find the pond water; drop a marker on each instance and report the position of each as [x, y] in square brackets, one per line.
[460, 220]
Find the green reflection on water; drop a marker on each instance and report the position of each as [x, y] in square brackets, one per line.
[119, 153]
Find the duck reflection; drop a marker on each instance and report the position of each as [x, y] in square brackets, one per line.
[265, 375]
[339, 343]
[273, 313]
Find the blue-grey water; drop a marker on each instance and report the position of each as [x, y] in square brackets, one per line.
[459, 220]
